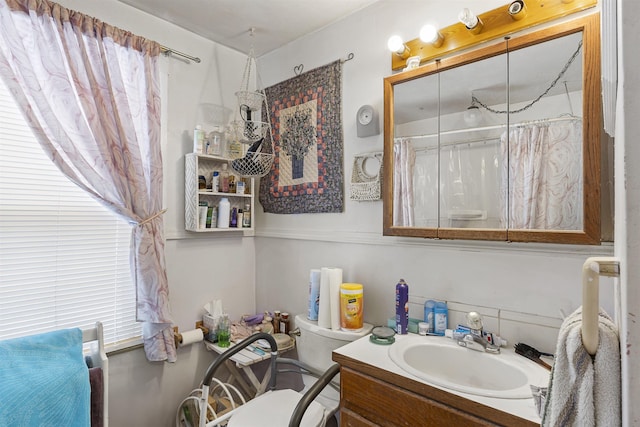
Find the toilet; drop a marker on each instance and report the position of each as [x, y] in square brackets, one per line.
[315, 345]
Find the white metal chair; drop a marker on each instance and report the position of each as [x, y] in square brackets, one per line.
[275, 408]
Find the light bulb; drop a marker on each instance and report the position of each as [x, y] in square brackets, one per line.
[430, 34]
[397, 46]
[517, 9]
[472, 116]
[468, 18]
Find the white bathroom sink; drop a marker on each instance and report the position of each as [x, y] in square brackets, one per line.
[442, 362]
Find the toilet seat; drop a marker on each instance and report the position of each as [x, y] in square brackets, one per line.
[274, 409]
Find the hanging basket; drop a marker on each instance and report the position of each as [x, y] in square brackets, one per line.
[252, 99]
[247, 131]
[259, 157]
[255, 163]
[259, 164]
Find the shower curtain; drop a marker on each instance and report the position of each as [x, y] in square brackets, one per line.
[404, 159]
[544, 176]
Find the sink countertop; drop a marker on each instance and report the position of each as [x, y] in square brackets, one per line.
[377, 355]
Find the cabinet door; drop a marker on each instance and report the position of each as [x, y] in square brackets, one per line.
[387, 405]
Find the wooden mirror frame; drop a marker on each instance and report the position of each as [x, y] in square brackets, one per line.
[592, 131]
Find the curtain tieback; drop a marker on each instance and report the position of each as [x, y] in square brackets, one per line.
[152, 217]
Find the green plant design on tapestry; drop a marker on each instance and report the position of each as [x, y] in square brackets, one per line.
[299, 135]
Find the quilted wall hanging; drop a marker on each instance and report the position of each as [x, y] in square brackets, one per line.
[306, 118]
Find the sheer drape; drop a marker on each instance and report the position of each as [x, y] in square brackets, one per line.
[404, 159]
[90, 93]
[545, 176]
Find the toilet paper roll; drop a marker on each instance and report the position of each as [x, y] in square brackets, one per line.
[335, 280]
[324, 305]
[190, 337]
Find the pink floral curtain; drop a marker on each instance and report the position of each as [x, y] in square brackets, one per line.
[404, 160]
[90, 93]
[545, 176]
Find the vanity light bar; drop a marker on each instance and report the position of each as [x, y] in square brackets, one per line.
[495, 23]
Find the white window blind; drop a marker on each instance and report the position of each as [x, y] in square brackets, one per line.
[64, 258]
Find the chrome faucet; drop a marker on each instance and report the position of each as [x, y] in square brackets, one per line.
[474, 339]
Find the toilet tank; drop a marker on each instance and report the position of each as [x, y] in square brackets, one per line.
[315, 344]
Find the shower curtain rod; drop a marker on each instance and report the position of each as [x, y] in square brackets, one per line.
[454, 143]
[451, 132]
[168, 51]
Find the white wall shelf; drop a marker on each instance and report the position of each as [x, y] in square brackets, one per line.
[203, 164]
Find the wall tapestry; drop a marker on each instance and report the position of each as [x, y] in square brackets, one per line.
[306, 118]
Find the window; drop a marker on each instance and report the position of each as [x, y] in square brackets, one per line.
[64, 258]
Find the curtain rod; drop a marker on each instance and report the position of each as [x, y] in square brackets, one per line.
[168, 51]
[501, 126]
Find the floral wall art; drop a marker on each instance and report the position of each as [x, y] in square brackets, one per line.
[306, 119]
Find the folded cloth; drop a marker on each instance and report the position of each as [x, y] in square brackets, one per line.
[44, 381]
[584, 390]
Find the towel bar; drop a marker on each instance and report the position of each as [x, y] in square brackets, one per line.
[591, 270]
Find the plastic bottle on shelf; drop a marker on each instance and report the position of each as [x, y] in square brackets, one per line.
[240, 218]
[246, 216]
[234, 218]
[198, 140]
[224, 209]
[215, 181]
[216, 141]
[234, 149]
[224, 179]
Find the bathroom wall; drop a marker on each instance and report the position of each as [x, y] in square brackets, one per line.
[199, 268]
[523, 289]
[627, 235]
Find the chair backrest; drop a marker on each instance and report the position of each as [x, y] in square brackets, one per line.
[96, 357]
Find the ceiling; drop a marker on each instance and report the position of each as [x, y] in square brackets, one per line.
[228, 22]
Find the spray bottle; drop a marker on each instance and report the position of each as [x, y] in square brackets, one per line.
[402, 307]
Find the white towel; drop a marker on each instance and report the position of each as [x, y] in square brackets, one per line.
[585, 391]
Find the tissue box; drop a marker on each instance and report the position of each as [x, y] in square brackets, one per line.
[211, 323]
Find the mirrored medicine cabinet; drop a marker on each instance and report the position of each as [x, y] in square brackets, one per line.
[499, 143]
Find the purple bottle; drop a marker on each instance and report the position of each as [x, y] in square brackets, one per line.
[402, 307]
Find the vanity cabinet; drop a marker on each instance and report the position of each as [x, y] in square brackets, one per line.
[370, 397]
[196, 165]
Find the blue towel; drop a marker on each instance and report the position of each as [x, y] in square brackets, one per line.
[44, 381]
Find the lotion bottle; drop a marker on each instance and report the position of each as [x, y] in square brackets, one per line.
[224, 208]
[198, 140]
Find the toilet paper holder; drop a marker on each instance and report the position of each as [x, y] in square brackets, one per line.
[179, 338]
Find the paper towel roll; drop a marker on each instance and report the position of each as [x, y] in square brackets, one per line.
[190, 337]
[324, 307]
[335, 280]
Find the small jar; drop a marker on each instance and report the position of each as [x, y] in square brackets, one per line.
[276, 322]
[284, 323]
